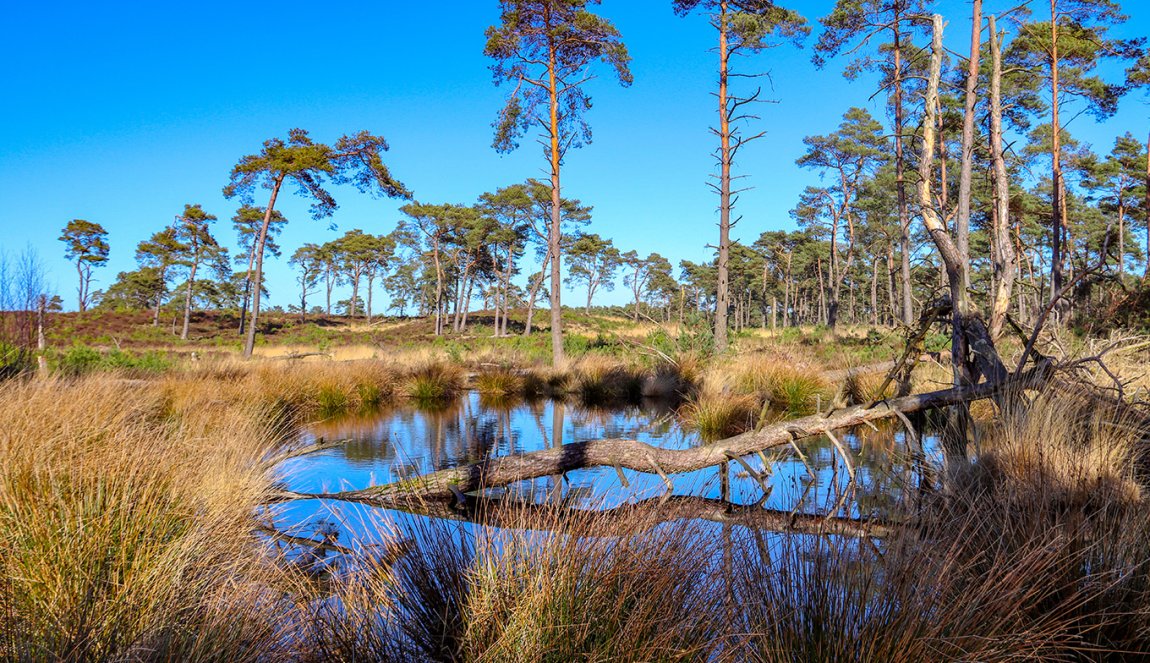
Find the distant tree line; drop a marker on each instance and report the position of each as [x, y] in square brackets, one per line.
[1038, 220]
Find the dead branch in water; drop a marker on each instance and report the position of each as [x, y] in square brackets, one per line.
[641, 457]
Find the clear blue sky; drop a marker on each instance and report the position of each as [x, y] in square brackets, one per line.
[121, 113]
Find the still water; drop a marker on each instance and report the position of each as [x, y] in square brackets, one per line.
[398, 443]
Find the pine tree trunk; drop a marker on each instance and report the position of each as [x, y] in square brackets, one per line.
[188, 295]
[438, 290]
[247, 296]
[555, 236]
[722, 296]
[370, 284]
[466, 305]
[1056, 245]
[962, 222]
[250, 343]
[874, 293]
[900, 177]
[1005, 258]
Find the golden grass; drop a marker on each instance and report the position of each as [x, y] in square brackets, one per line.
[864, 387]
[125, 525]
[598, 380]
[500, 382]
[433, 383]
[791, 386]
[1074, 449]
[547, 585]
[126, 509]
[718, 417]
[125, 519]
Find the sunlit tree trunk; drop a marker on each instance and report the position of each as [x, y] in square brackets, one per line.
[1005, 258]
[1056, 245]
[533, 295]
[247, 295]
[554, 238]
[370, 288]
[874, 293]
[900, 176]
[722, 294]
[962, 222]
[250, 342]
[188, 293]
[438, 288]
[972, 351]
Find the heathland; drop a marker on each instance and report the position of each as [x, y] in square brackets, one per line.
[143, 477]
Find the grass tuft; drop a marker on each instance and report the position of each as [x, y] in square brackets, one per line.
[501, 382]
[433, 384]
[126, 526]
[862, 388]
[718, 417]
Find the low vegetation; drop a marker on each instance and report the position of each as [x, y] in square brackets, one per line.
[125, 525]
[130, 524]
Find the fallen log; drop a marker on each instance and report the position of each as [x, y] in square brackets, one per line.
[642, 457]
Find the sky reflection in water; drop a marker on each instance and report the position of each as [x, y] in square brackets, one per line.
[398, 443]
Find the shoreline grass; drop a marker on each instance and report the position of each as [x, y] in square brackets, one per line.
[127, 507]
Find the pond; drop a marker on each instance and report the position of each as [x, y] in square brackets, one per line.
[399, 443]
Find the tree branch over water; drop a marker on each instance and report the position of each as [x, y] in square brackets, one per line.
[642, 457]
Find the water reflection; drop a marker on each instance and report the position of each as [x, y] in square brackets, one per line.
[398, 444]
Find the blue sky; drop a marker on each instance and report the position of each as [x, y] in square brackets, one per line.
[121, 113]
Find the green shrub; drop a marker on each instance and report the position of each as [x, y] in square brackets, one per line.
[82, 359]
[79, 359]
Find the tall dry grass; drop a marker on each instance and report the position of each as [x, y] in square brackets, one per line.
[126, 510]
[125, 526]
[788, 384]
[546, 585]
[601, 380]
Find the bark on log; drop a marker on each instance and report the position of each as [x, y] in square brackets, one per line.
[641, 457]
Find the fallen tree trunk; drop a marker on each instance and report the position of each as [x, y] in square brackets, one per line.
[642, 457]
[631, 518]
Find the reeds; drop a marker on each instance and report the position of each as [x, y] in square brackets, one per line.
[864, 387]
[599, 380]
[791, 387]
[501, 382]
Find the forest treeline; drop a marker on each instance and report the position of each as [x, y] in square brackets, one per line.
[1041, 220]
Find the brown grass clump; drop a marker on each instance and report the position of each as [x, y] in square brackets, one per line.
[500, 382]
[433, 384]
[125, 526]
[287, 392]
[793, 388]
[826, 600]
[1037, 552]
[679, 377]
[1065, 446]
[548, 584]
[719, 416]
[860, 388]
[598, 379]
[1059, 448]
